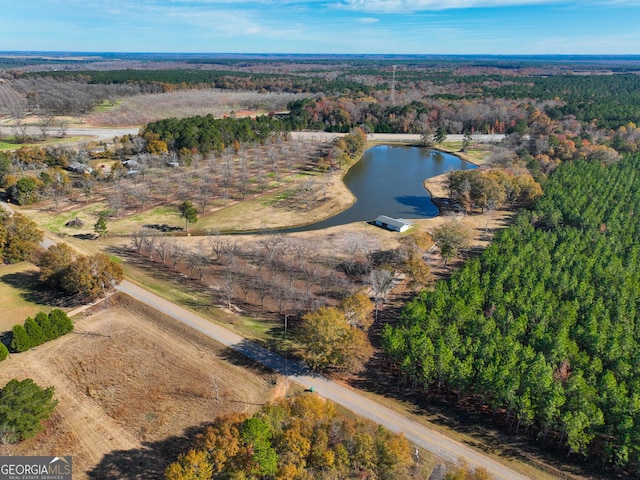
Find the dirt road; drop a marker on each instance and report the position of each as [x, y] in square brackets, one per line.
[420, 435]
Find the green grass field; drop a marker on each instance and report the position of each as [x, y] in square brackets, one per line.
[20, 296]
[10, 144]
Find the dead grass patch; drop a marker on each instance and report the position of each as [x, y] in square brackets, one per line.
[131, 382]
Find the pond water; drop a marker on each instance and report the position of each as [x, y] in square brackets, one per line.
[388, 180]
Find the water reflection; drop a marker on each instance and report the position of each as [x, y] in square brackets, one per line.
[388, 180]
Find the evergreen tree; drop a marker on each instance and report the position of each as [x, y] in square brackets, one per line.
[101, 227]
[20, 340]
[60, 322]
[23, 407]
[257, 435]
[35, 333]
[189, 213]
[42, 319]
[4, 351]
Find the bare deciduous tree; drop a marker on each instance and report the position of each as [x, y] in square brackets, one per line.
[177, 252]
[381, 282]
[228, 285]
[162, 249]
[204, 192]
[197, 262]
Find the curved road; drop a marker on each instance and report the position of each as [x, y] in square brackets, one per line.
[416, 433]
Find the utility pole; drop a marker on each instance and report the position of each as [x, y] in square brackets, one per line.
[393, 86]
[286, 360]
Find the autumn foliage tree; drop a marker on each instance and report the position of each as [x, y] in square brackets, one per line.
[328, 341]
[89, 276]
[54, 263]
[192, 465]
[298, 437]
[19, 237]
[357, 309]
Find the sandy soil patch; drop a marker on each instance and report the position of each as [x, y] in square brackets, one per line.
[131, 384]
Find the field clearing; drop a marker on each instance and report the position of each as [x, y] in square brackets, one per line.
[19, 297]
[131, 384]
[9, 144]
[9, 98]
[142, 109]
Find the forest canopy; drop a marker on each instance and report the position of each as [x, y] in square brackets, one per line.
[544, 325]
[303, 436]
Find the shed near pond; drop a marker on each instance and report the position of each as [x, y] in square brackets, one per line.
[393, 224]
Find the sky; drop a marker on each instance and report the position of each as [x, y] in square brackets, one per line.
[323, 26]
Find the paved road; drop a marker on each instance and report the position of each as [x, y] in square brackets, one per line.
[45, 243]
[105, 134]
[397, 137]
[102, 134]
[414, 432]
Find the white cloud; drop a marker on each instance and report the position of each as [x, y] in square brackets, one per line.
[409, 6]
[368, 20]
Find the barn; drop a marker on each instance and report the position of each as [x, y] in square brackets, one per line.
[393, 224]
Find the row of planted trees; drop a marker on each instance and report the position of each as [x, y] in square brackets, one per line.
[543, 326]
[42, 328]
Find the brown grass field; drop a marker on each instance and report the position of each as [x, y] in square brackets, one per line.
[133, 387]
[142, 109]
[121, 413]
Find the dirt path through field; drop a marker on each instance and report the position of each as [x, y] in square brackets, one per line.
[130, 384]
[93, 432]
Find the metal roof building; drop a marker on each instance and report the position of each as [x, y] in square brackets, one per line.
[393, 224]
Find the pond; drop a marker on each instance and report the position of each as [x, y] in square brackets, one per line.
[388, 180]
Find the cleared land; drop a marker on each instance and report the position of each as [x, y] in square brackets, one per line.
[132, 386]
[19, 295]
[142, 109]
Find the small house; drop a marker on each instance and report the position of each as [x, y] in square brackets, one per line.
[393, 224]
[78, 167]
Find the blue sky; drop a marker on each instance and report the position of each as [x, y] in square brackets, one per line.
[323, 26]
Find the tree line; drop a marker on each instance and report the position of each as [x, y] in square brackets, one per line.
[542, 326]
[206, 134]
[40, 329]
[302, 436]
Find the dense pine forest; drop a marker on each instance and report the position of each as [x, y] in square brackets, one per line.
[206, 134]
[543, 326]
[539, 330]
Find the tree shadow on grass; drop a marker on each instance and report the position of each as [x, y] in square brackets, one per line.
[33, 291]
[148, 461]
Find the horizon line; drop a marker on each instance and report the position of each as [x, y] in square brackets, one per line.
[307, 54]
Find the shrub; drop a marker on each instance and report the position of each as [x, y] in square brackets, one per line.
[23, 406]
